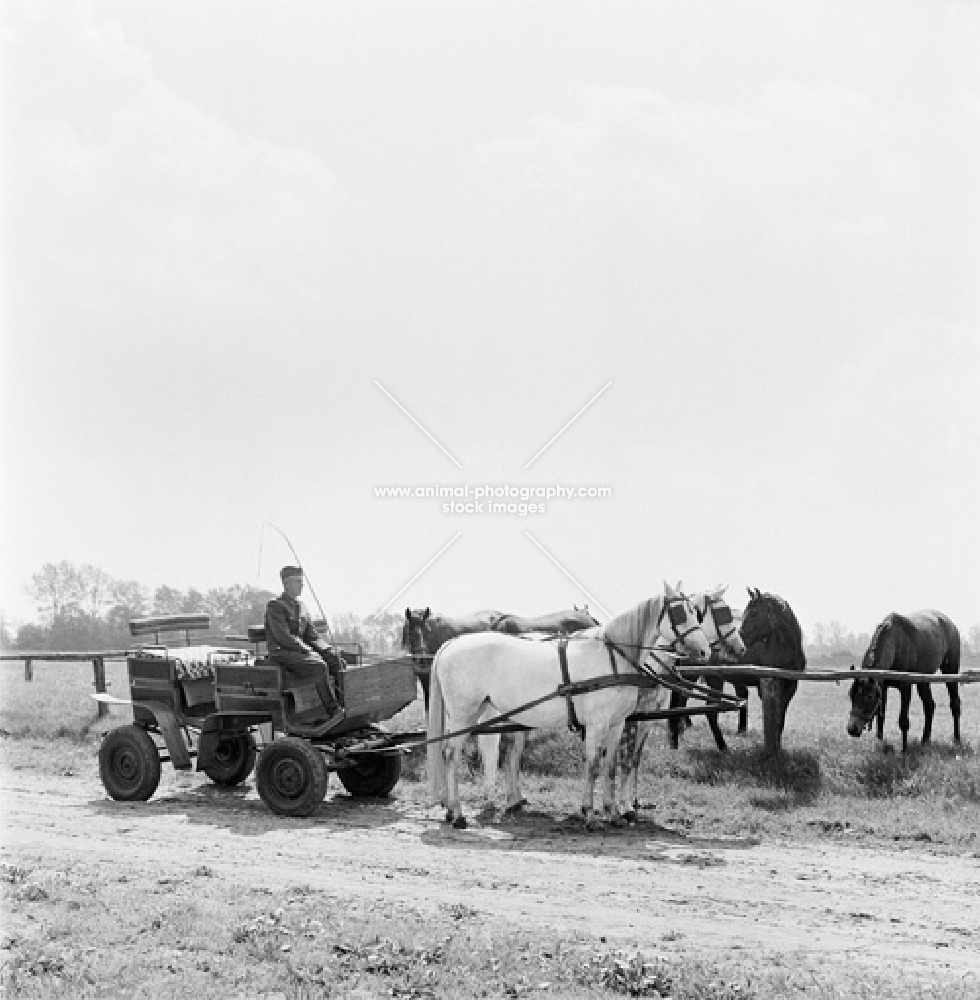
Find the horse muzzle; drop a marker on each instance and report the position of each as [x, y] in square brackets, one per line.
[855, 726]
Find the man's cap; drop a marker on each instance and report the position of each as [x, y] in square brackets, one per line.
[288, 571]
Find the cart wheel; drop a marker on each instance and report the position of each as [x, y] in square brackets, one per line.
[234, 759]
[129, 764]
[372, 774]
[291, 777]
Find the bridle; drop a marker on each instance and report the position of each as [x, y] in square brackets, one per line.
[876, 686]
[721, 616]
[675, 611]
[412, 629]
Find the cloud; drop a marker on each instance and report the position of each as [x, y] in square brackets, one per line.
[909, 399]
[118, 187]
[794, 162]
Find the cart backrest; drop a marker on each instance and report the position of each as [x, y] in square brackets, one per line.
[169, 623]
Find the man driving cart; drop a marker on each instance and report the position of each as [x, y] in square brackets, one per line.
[295, 645]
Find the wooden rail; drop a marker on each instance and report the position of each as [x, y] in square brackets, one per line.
[732, 670]
[98, 658]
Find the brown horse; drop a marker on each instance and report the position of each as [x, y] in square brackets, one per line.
[424, 634]
[772, 638]
[571, 620]
[920, 643]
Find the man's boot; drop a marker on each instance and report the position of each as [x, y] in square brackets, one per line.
[334, 713]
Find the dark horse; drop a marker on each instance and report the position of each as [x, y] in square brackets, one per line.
[772, 638]
[920, 643]
[424, 633]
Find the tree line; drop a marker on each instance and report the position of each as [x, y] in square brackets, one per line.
[836, 639]
[85, 608]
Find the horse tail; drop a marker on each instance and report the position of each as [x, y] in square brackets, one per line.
[435, 761]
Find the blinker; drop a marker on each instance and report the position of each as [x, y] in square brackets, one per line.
[722, 615]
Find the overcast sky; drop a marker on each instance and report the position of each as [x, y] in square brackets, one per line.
[235, 233]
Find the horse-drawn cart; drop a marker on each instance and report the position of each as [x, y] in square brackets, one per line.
[228, 708]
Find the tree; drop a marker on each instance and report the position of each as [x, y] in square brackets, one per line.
[167, 601]
[58, 590]
[975, 638]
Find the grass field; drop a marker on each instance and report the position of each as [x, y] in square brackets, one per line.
[825, 783]
[197, 933]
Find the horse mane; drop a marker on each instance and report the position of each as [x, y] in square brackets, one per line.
[633, 629]
[785, 625]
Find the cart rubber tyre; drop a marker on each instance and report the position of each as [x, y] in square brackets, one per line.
[129, 764]
[234, 759]
[291, 777]
[373, 775]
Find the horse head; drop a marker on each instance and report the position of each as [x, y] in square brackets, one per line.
[679, 624]
[719, 626]
[415, 633]
[865, 695]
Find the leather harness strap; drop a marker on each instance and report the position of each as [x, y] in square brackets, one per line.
[574, 726]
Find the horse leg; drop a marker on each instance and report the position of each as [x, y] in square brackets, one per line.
[424, 681]
[954, 708]
[676, 722]
[631, 746]
[903, 714]
[513, 748]
[789, 690]
[594, 767]
[742, 691]
[928, 710]
[716, 684]
[453, 753]
[610, 746]
[881, 712]
[489, 745]
[771, 697]
[623, 763]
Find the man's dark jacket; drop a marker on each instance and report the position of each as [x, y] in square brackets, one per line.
[289, 627]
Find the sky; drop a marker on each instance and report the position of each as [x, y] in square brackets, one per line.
[261, 259]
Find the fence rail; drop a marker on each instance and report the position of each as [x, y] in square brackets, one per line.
[97, 657]
[731, 671]
[728, 671]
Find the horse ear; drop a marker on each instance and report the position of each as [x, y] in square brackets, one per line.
[680, 586]
[408, 614]
[669, 590]
[425, 617]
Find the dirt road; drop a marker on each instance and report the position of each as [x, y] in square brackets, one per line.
[814, 905]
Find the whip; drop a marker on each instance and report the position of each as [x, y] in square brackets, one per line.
[299, 562]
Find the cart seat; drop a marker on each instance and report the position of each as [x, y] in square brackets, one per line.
[197, 662]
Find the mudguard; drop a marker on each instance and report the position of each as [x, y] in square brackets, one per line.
[172, 734]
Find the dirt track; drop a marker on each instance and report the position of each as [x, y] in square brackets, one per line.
[817, 906]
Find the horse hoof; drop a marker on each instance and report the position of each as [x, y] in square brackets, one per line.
[515, 808]
[449, 815]
[630, 817]
[459, 823]
[592, 826]
[618, 822]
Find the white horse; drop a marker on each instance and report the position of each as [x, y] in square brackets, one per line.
[726, 644]
[506, 673]
[719, 627]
